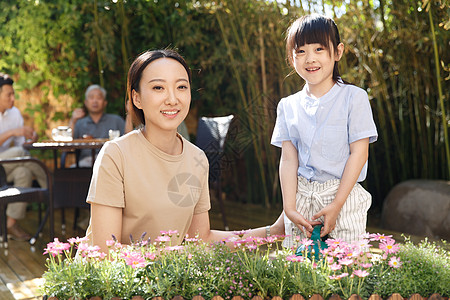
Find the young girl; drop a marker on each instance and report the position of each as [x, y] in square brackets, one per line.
[152, 179]
[324, 132]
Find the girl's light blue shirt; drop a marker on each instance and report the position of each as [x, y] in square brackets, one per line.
[322, 129]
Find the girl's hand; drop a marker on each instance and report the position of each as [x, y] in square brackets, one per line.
[330, 214]
[306, 226]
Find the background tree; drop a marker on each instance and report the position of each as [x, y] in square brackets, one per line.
[396, 50]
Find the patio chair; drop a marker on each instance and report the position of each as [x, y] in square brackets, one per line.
[211, 137]
[71, 187]
[10, 194]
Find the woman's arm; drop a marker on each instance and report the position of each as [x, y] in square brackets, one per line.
[359, 152]
[288, 181]
[105, 222]
[200, 225]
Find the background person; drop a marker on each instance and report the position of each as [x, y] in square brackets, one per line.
[13, 135]
[96, 124]
[324, 132]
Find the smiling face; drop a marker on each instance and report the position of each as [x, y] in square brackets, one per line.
[164, 94]
[315, 64]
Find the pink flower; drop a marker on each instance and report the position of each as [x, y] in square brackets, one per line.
[306, 242]
[174, 248]
[83, 247]
[188, 239]
[345, 261]
[379, 237]
[366, 265]
[343, 275]
[389, 246]
[361, 273]
[135, 260]
[251, 246]
[56, 247]
[77, 240]
[295, 258]
[163, 239]
[241, 233]
[395, 262]
[334, 267]
[110, 243]
[271, 239]
[96, 254]
[330, 259]
[150, 255]
[333, 243]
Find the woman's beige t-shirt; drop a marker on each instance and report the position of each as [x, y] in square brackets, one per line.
[157, 191]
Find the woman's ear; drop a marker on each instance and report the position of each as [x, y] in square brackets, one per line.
[136, 99]
[339, 51]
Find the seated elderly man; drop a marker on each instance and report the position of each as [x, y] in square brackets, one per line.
[97, 123]
[13, 134]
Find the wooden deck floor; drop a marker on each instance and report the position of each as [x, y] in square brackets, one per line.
[22, 265]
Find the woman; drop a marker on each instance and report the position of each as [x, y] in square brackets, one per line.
[152, 179]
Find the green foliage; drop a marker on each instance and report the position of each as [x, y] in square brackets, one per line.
[236, 51]
[248, 269]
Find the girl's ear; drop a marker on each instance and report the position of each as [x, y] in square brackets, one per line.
[136, 99]
[339, 51]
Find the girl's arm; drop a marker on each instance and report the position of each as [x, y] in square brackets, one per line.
[359, 153]
[288, 181]
[200, 225]
[105, 221]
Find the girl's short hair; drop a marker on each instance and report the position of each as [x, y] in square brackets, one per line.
[312, 29]
[135, 75]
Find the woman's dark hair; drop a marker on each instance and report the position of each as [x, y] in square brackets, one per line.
[312, 29]
[5, 79]
[135, 74]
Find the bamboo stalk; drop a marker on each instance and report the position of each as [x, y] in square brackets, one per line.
[440, 94]
[97, 43]
[245, 102]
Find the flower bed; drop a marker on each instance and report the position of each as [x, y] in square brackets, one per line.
[251, 269]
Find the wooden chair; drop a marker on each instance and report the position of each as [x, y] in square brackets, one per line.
[211, 136]
[10, 194]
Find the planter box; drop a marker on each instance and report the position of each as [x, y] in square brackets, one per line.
[293, 297]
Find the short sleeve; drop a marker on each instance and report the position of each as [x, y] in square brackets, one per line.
[19, 140]
[107, 185]
[361, 123]
[204, 202]
[280, 131]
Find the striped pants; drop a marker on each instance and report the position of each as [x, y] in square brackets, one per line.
[313, 196]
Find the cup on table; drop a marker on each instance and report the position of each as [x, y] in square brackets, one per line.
[62, 133]
[113, 134]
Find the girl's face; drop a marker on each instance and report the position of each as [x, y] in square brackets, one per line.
[315, 63]
[164, 94]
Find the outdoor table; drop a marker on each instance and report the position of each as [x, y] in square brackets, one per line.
[77, 144]
[70, 185]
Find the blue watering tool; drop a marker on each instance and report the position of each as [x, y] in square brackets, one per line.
[318, 244]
